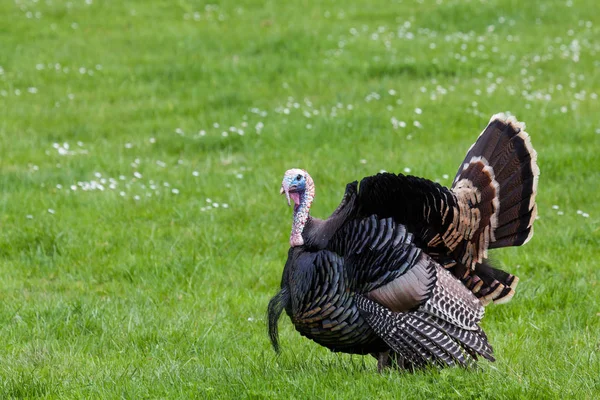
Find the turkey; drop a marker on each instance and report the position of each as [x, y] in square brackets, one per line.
[400, 269]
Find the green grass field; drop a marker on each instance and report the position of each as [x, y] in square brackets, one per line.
[142, 146]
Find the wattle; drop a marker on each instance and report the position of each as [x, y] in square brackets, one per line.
[295, 198]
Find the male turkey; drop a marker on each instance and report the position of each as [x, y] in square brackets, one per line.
[382, 275]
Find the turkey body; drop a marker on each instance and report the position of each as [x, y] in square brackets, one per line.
[400, 269]
[371, 290]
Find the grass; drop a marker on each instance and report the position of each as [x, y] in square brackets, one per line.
[156, 285]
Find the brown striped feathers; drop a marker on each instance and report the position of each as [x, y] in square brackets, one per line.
[512, 165]
[500, 173]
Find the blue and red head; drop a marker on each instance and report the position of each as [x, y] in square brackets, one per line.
[296, 184]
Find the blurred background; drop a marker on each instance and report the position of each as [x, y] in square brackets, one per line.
[142, 149]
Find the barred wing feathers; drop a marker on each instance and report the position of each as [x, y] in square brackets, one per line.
[373, 290]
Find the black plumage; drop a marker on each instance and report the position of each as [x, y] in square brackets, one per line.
[341, 296]
[399, 270]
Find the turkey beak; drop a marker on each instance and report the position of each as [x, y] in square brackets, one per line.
[284, 189]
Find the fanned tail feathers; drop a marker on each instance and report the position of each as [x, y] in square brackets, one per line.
[499, 179]
[504, 152]
[491, 284]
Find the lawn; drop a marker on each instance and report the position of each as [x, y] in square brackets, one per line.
[142, 146]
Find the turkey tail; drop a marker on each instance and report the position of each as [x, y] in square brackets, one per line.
[421, 339]
[488, 283]
[502, 163]
[495, 189]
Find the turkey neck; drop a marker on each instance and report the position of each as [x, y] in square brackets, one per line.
[301, 213]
